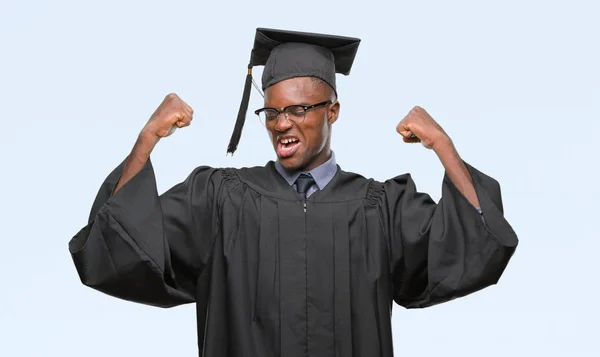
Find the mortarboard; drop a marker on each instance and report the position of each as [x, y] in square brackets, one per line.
[288, 54]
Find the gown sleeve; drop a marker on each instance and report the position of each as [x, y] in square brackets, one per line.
[144, 247]
[445, 250]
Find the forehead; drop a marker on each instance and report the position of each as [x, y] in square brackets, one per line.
[299, 90]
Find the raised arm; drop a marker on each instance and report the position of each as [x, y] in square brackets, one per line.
[171, 114]
[143, 247]
[419, 126]
[445, 250]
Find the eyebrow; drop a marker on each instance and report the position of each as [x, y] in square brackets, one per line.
[289, 105]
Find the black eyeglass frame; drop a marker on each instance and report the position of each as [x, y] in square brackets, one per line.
[287, 110]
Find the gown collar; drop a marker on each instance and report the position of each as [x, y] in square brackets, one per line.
[322, 174]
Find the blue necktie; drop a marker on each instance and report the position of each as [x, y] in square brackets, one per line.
[303, 183]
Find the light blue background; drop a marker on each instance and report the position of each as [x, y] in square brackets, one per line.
[516, 84]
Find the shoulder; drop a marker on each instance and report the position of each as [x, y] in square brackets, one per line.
[349, 177]
[229, 174]
[354, 180]
[259, 178]
[254, 174]
[354, 186]
[373, 189]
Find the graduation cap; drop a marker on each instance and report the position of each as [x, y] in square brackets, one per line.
[289, 54]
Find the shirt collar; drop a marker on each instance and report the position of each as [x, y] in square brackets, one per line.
[322, 174]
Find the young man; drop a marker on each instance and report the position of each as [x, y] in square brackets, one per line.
[298, 257]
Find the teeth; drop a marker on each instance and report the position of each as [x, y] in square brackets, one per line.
[288, 141]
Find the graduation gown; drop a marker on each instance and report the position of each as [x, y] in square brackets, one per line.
[273, 274]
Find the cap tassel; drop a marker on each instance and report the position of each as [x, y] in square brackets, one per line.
[241, 118]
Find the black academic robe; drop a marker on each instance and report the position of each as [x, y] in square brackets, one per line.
[273, 275]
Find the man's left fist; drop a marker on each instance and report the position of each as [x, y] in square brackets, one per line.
[419, 127]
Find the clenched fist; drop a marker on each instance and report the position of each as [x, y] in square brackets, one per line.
[171, 114]
[419, 127]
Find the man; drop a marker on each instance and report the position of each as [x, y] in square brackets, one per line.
[297, 257]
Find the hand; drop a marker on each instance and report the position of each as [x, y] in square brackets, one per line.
[171, 114]
[419, 127]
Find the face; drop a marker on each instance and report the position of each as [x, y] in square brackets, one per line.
[306, 145]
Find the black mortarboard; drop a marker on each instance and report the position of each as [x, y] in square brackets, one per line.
[288, 54]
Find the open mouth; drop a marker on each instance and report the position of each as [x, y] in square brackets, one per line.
[287, 146]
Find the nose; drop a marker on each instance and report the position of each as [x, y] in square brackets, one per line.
[282, 124]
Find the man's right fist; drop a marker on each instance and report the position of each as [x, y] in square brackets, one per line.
[172, 113]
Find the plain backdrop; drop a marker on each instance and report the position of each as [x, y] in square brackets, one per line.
[516, 84]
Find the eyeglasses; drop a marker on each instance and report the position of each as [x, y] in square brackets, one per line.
[293, 113]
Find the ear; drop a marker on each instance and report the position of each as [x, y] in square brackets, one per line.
[333, 112]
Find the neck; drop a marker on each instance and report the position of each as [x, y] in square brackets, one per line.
[319, 160]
